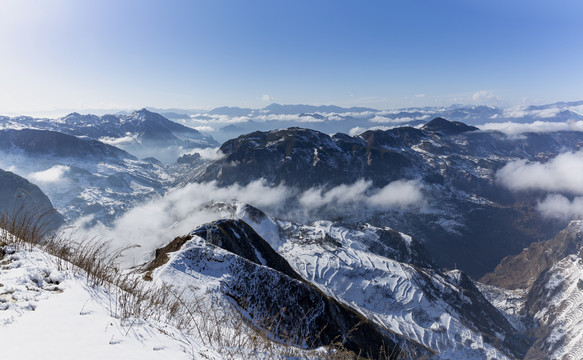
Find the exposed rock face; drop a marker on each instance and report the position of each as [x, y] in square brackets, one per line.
[521, 271]
[239, 238]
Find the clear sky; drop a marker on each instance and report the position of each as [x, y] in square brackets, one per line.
[87, 54]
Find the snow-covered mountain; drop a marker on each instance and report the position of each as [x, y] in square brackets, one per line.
[384, 275]
[81, 176]
[442, 315]
[229, 259]
[229, 122]
[453, 164]
[142, 133]
[549, 282]
[356, 237]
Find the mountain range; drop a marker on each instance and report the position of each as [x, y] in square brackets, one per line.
[401, 240]
[454, 165]
[143, 133]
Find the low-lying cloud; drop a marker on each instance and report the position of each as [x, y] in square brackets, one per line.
[205, 128]
[560, 176]
[397, 120]
[397, 194]
[211, 154]
[559, 207]
[158, 221]
[52, 175]
[564, 173]
[512, 128]
[522, 112]
[288, 117]
[120, 141]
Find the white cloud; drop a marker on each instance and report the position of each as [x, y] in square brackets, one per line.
[158, 221]
[557, 206]
[512, 128]
[419, 96]
[484, 96]
[548, 113]
[523, 111]
[382, 119]
[564, 173]
[335, 117]
[126, 140]
[288, 117]
[207, 153]
[52, 175]
[397, 194]
[266, 98]
[309, 119]
[400, 194]
[342, 194]
[205, 119]
[205, 128]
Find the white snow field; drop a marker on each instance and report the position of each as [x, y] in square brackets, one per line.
[47, 313]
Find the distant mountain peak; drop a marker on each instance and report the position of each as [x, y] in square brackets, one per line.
[143, 113]
[447, 127]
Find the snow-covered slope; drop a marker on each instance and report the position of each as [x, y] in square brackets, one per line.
[522, 270]
[546, 294]
[555, 307]
[444, 312]
[48, 311]
[279, 302]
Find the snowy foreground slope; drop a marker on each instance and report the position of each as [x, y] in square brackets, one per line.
[258, 287]
[47, 302]
[50, 312]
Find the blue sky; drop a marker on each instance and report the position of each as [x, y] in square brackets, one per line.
[72, 54]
